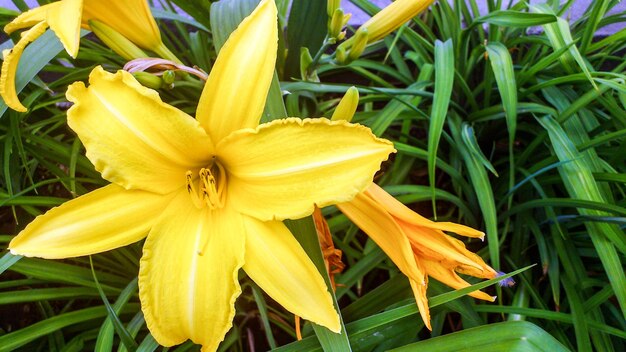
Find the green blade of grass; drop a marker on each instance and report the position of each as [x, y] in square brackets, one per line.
[444, 79]
[507, 336]
[517, 19]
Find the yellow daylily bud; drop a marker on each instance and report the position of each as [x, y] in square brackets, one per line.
[331, 6]
[388, 20]
[360, 42]
[148, 80]
[336, 24]
[394, 16]
[347, 106]
[341, 55]
[117, 42]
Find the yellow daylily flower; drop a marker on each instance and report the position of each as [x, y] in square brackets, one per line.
[418, 246]
[130, 18]
[210, 192]
[384, 22]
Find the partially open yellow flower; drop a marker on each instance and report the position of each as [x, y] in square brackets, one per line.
[418, 246]
[209, 193]
[131, 18]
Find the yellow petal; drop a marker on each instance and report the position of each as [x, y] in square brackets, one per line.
[382, 228]
[450, 278]
[131, 18]
[185, 294]
[9, 67]
[419, 292]
[132, 137]
[30, 18]
[277, 263]
[435, 245]
[281, 169]
[65, 20]
[235, 92]
[479, 268]
[98, 221]
[401, 211]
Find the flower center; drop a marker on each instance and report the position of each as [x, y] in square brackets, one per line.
[211, 184]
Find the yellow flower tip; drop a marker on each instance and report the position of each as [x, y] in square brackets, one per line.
[493, 298]
[9, 67]
[347, 106]
[360, 42]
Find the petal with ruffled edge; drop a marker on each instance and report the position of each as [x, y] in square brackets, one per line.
[285, 167]
[277, 263]
[65, 21]
[401, 211]
[104, 219]
[132, 137]
[188, 273]
[450, 278]
[235, 92]
[9, 67]
[381, 227]
[131, 18]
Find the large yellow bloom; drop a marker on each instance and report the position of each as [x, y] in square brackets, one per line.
[418, 246]
[131, 18]
[210, 193]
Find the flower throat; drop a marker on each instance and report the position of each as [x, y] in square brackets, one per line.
[211, 186]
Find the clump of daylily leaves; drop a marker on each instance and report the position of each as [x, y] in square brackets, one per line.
[210, 193]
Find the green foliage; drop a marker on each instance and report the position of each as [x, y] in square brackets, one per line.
[518, 134]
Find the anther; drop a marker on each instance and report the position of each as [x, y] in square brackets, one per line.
[192, 190]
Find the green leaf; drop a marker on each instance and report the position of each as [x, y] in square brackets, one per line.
[105, 336]
[444, 79]
[560, 36]
[502, 66]
[307, 29]
[579, 182]
[516, 19]
[507, 336]
[7, 260]
[13, 340]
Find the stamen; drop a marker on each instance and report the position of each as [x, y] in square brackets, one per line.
[211, 184]
[192, 190]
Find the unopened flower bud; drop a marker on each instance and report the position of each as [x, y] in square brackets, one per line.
[347, 106]
[117, 42]
[331, 6]
[168, 77]
[336, 24]
[148, 80]
[360, 42]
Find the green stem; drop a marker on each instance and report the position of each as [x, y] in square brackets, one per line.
[325, 45]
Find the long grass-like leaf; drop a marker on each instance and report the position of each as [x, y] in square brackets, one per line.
[444, 79]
